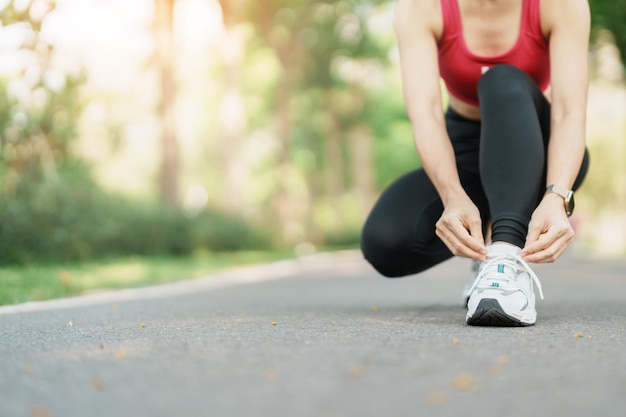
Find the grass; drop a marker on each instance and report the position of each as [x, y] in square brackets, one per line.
[44, 282]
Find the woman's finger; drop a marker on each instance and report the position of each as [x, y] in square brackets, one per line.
[459, 241]
[548, 248]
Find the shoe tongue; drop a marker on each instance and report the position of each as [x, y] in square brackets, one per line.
[504, 249]
[501, 269]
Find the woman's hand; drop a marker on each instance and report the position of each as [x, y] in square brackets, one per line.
[460, 229]
[550, 231]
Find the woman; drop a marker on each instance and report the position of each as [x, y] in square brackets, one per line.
[508, 152]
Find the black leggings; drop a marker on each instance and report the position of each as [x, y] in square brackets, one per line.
[501, 162]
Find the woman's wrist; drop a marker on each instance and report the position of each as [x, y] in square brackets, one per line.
[452, 194]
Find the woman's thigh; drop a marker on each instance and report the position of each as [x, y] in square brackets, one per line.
[399, 236]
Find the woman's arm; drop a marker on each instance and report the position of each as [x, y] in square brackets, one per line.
[415, 26]
[550, 231]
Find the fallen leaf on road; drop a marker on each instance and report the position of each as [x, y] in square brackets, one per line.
[142, 325]
[274, 323]
[578, 335]
[120, 354]
[455, 341]
[494, 370]
[271, 374]
[465, 382]
[97, 384]
[28, 369]
[40, 411]
[436, 396]
[357, 371]
[375, 309]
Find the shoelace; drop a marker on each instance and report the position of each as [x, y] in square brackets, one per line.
[513, 261]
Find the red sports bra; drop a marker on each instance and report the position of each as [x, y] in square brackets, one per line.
[461, 69]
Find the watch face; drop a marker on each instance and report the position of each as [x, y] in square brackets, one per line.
[570, 203]
[568, 197]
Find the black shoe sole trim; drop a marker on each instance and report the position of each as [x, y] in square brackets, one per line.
[490, 313]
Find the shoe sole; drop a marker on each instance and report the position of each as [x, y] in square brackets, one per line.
[490, 313]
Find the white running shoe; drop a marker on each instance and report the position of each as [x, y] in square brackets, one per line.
[470, 284]
[502, 293]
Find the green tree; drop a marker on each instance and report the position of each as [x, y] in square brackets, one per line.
[39, 104]
[329, 61]
[611, 15]
[169, 169]
[233, 121]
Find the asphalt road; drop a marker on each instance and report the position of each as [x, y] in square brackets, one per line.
[320, 337]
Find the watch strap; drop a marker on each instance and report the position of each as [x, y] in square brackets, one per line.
[567, 194]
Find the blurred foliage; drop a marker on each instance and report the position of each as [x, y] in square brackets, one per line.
[72, 219]
[212, 230]
[321, 130]
[332, 109]
[39, 106]
[611, 15]
[50, 207]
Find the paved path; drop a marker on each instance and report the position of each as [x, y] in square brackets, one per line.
[322, 337]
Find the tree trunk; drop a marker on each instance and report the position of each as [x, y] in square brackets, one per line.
[362, 167]
[282, 201]
[335, 173]
[233, 123]
[164, 25]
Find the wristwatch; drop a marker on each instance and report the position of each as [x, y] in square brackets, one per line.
[568, 197]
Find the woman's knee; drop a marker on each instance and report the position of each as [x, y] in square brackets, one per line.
[383, 250]
[398, 254]
[502, 79]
